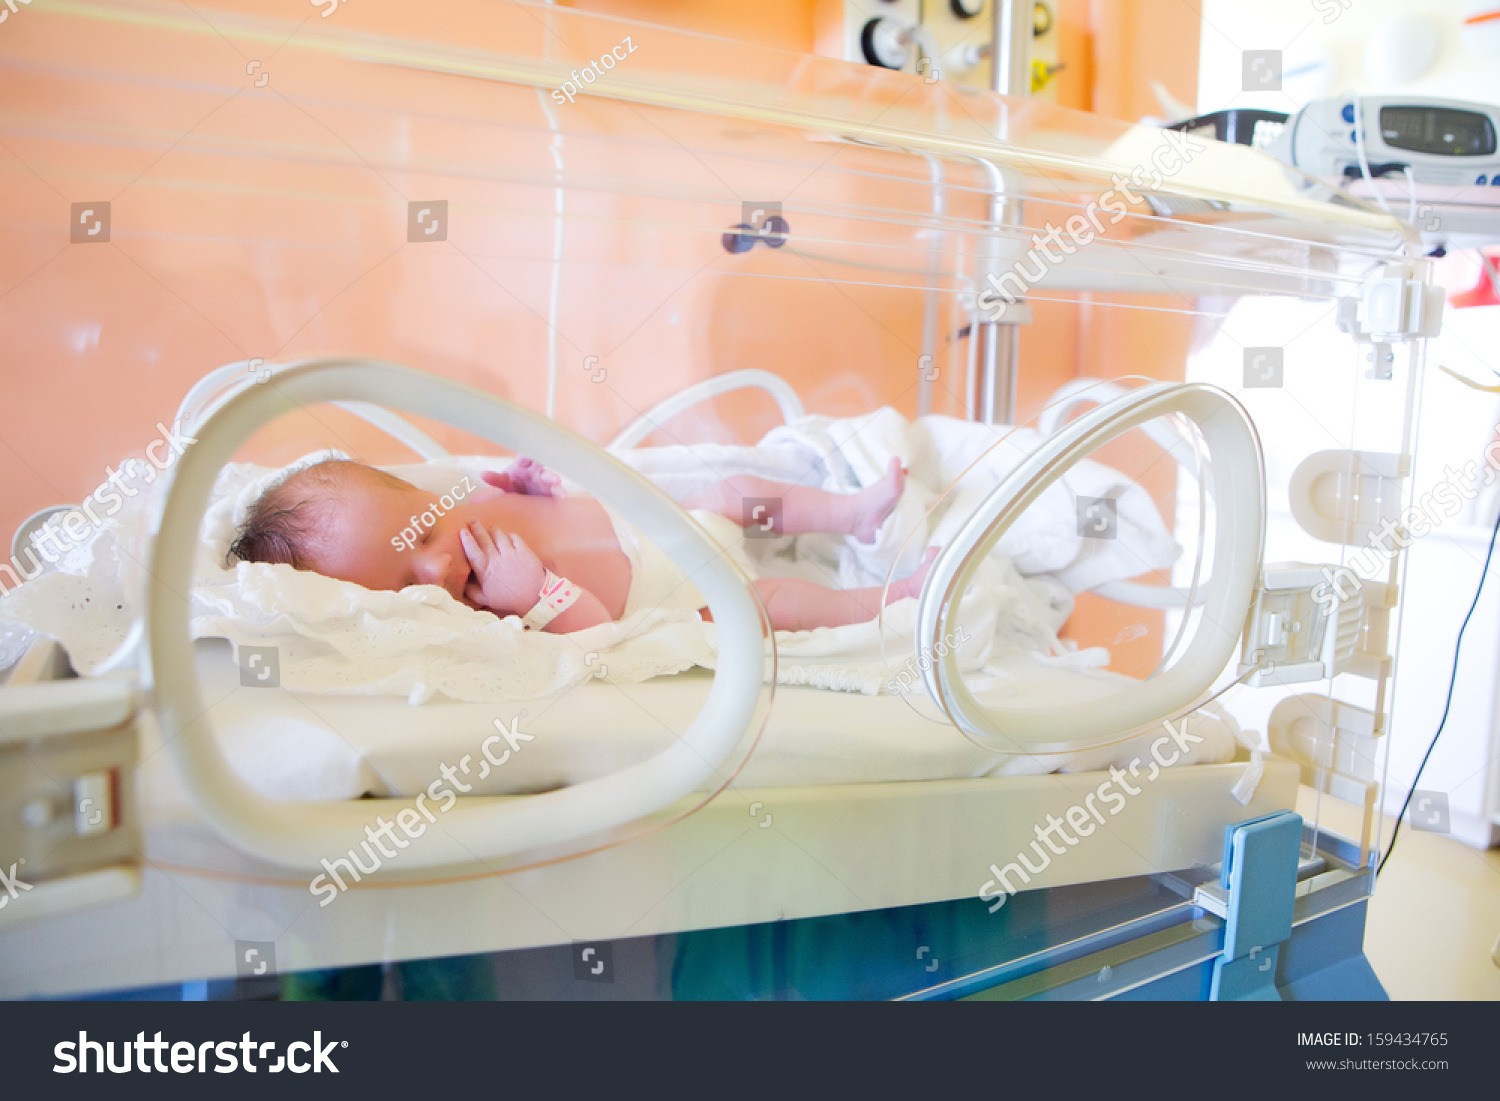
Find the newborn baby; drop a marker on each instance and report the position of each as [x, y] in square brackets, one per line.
[518, 546]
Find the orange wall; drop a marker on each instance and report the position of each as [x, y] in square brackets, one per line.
[781, 24]
[100, 343]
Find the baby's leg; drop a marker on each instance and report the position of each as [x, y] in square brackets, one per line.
[801, 510]
[797, 605]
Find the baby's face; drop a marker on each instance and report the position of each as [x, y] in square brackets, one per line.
[363, 543]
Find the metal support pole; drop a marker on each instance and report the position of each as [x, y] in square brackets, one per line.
[997, 397]
[1010, 56]
[1010, 49]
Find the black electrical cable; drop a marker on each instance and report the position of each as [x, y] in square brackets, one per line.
[1448, 703]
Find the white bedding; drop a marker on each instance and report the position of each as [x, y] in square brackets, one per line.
[329, 747]
[336, 637]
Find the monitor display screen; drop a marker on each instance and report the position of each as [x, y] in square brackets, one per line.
[1440, 130]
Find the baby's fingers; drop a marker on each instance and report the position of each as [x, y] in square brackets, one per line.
[500, 542]
[479, 549]
[482, 538]
[522, 548]
[471, 548]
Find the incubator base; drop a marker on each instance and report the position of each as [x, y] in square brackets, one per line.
[864, 847]
[1139, 938]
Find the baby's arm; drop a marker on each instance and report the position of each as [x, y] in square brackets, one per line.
[509, 579]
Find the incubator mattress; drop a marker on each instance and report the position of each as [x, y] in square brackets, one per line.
[310, 746]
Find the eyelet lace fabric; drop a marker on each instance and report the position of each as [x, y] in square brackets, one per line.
[334, 636]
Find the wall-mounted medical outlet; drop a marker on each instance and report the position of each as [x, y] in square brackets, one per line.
[962, 30]
[948, 40]
[884, 33]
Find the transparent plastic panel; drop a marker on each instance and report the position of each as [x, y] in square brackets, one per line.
[1016, 422]
[1337, 421]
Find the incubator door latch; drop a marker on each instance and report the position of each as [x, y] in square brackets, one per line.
[1305, 625]
[1392, 306]
[70, 832]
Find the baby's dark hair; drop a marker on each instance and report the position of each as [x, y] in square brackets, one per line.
[285, 527]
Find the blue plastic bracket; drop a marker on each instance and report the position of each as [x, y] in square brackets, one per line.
[1259, 875]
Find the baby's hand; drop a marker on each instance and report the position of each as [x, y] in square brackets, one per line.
[526, 477]
[508, 574]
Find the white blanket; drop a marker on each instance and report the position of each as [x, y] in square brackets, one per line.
[333, 636]
[953, 466]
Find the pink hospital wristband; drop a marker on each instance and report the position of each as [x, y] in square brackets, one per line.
[557, 596]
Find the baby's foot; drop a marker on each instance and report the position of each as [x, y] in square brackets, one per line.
[874, 504]
[911, 585]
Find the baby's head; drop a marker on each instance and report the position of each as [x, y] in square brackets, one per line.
[346, 520]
